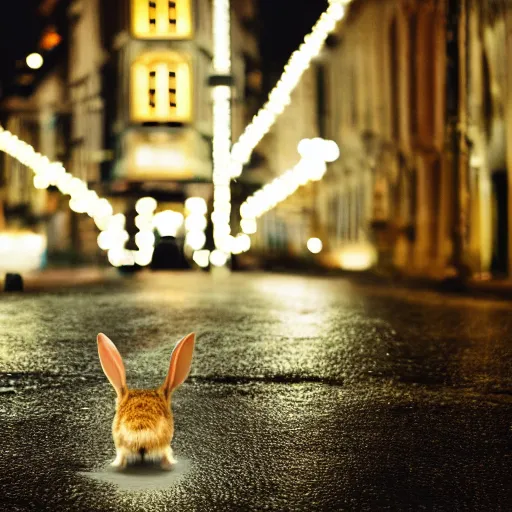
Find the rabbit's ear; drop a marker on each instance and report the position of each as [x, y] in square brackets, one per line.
[179, 367]
[112, 364]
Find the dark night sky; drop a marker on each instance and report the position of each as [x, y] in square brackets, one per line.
[19, 29]
[284, 23]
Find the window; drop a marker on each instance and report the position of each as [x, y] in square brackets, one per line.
[161, 90]
[161, 19]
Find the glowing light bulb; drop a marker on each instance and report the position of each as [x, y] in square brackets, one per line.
[121, 257]
[143, 257]
[314, 245]
[218, 258]
[202, 258]
[102, 208]
[64, 182]
[106, 240]
[196, 205]
[304, 148]
[145, 239]
[243, 241]
[78, 205]
[77, 187]
[145, 205]
[195, 240]
[117, 221]
[249, 226]
[41, 182]
[34, 60]
[195, 223]
[331, 151]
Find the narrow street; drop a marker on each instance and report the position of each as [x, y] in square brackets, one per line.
[305, 394]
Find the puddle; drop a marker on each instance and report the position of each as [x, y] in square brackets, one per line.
[142, 476]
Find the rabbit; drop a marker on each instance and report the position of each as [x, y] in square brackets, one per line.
[143, 424]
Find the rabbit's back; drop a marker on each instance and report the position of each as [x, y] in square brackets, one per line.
[143, 421]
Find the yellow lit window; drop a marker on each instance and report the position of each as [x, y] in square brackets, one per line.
[161, 89]
[162, 19]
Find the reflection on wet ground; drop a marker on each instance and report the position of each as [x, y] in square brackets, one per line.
[305, 394]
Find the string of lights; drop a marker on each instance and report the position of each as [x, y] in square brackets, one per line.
[195, 223]
[280, 96]
[202, 258]
[315, 154]
[113, 235]
[145, 237]
[221, 95]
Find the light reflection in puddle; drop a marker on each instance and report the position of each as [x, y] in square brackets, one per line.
[140, 477]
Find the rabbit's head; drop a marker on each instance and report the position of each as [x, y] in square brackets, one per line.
[143, 424]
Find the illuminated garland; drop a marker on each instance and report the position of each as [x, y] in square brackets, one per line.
[312, 166]
[113, 235]
[280, 96]
[221, 95]
[195, 223]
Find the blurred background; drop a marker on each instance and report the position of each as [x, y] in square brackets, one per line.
[388, 152]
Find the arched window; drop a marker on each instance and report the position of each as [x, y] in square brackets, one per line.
[162, 19]
[161, 89]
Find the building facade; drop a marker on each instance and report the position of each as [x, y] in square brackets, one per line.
[385, 83]
[417, 95]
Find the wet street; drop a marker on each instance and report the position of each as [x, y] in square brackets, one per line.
[305, 394]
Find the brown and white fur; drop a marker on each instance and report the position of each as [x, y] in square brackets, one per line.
[143, 424]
